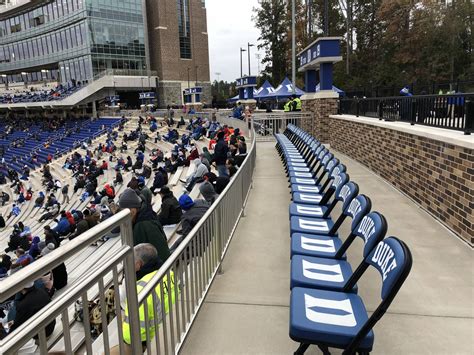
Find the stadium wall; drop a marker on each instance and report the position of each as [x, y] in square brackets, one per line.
[435, 170]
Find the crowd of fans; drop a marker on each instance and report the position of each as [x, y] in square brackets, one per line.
[33, 94]
[229, 150]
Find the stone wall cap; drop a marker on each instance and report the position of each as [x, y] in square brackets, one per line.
[323, 94]
[440, 134]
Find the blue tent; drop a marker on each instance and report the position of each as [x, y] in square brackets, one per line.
[335, 89]
[265, 91]
[285, 89]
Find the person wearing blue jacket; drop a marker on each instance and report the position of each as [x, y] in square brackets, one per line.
[63, 227]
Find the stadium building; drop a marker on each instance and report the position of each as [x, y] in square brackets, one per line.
[97, 49]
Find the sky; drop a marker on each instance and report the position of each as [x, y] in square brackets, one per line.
[229, 27]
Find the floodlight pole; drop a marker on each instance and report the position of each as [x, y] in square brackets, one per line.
[293, 46]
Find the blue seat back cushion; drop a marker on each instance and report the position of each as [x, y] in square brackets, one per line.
[339, 181]
[389, 258]
[331, 165]
[347, 193]
[340, 168]
[371, 229]
[357, 209]
[326, 159]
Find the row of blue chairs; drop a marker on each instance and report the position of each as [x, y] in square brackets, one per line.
[325, 308]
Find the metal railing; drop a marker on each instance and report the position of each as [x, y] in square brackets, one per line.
[266, 125]
[191, 270]
[123, 259]
[444, 111]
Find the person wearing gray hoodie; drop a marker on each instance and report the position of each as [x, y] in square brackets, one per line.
[197, 176]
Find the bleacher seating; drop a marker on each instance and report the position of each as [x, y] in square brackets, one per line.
[62, 140]
[325, 309]
[79, 265]
[58, 93]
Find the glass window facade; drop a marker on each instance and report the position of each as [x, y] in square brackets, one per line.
[39, 16]
[184, 29]
[117, 35]
[108, 34]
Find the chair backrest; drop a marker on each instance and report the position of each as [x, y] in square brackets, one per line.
[357, 209]
[337, 169]
[326, 159]
[320, 151]
[372, 229]
[347, 193]
[392, 259]
[338, 181]
[331, 165]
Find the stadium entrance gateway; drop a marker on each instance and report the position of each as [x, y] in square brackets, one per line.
[320, 98]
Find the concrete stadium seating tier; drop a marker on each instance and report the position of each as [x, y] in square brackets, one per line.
[433, 166]
[78, 265]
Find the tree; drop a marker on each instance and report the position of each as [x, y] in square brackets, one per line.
[272, 20]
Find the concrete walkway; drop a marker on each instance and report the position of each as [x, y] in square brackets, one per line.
[246, 311]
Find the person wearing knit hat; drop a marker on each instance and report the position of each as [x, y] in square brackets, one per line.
[146, 225]
[193, 212]
[208, 192]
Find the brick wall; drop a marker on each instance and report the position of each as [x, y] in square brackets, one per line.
[322, 109]
[437, 175]
[163, 32]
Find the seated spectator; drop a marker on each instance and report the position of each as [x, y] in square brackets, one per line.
[170, 212]
[160, 180]
[208, 192]
[146, 226]
[63, 227]
[118, 178]
[34, 250]
[30, 301]
[231, 168]
[21, 198]
[51, 213]
[197, 176]
[4, 198]
[40, 200]
[193, 212]
[17, 241]
[23, 259]
[90, 220]
[221, 183]
[15, 211]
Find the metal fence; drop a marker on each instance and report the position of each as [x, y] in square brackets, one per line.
[266, 125]
[177, 290]
[445, 111]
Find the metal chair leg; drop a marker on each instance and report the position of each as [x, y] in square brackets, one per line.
[324, 349]
[301, 349]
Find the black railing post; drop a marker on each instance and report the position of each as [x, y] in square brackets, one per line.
[357, 107]
[412, 111]
[380, 110]
[469, 126]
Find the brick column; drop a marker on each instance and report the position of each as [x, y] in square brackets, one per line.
[322, 104]
[252, 104]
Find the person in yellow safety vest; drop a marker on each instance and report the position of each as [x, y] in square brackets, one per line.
[145, 254]
[296, 104]
[287, 107]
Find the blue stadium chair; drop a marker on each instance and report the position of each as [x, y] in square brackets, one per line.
[344, 192]
[334, 274]
[331, 319]
[309, 236]
[322, 198]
